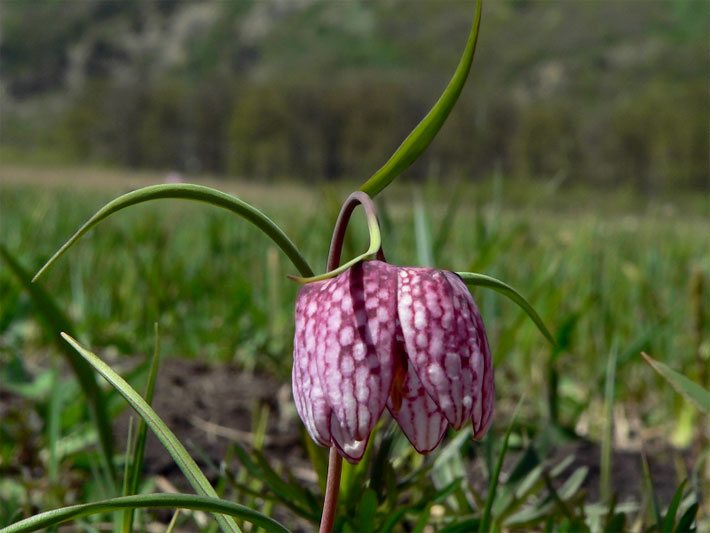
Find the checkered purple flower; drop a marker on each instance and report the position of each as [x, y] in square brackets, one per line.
[405, 338]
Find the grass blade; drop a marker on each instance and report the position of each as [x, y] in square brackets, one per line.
[686, 521]
[651, 491]
[669, 519]
[197, 193]
[214, 505]
[692, 392]
[484, 524]
[134, 474]
[56, 322]
[481, 280]
[607, 438]
[178, 452]
[420, 137]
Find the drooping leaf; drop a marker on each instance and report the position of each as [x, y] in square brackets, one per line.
[420, 137]
[174, 447]
[224, 508]
[692, 392]
[197, 193]
[481, 280]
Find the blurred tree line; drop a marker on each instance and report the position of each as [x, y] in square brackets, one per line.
[596, 92]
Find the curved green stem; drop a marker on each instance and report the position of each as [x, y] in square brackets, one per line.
[420, 137]
[481, 280]
[198, 193]
[55, 517]
[336, 243]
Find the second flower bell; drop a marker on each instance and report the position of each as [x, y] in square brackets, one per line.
[406, 338]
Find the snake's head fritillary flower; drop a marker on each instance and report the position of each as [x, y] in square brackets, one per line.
[405, 338]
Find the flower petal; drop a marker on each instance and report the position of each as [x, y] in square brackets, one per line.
[442, 334]
[356, 316]
[350, 448]
[416, 413]
[308, 394]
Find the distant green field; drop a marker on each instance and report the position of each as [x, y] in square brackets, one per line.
[609, 274]
[604, 276]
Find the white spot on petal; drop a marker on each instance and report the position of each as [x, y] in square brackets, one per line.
[437, 376]
[347, 365]
[346, 335]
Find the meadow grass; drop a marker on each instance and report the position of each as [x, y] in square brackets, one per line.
[607, 273]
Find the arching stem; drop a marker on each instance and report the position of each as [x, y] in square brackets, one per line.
[335, 461]
[336, 244]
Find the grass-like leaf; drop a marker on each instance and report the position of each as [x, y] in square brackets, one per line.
[485, 522]
[669, 519]
[55, 517]
[481, 280]
[605, 488]
[692, 392]
[136, 458]
[650, 491]
[56, 322]
[198, 193]
[178, 452]
[420, 137]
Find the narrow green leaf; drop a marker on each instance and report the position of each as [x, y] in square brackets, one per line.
[484, 525]
[197, 193]
[393, 519]
[607, 437]
[669, 519]
[417, 141]
[367, 511]
[282, 492]
[692, 392]
[54, 428]
[56, 322]
[686, 521]
[138, 453]
[481, 280]
[463, 525]
[178, 452]
[651, 491]
[152, 501]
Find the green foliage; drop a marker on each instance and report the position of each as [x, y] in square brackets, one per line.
[55, 517]
[693, 392]
[618, 272]
[57, 322]
[167, 438]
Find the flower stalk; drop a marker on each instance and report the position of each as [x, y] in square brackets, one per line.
[335, 460]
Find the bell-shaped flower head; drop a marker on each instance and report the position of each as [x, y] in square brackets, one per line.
[375, 336]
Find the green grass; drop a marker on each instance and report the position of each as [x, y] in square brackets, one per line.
[613, 274]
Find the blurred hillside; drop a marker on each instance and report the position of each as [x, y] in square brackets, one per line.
[602, 92]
